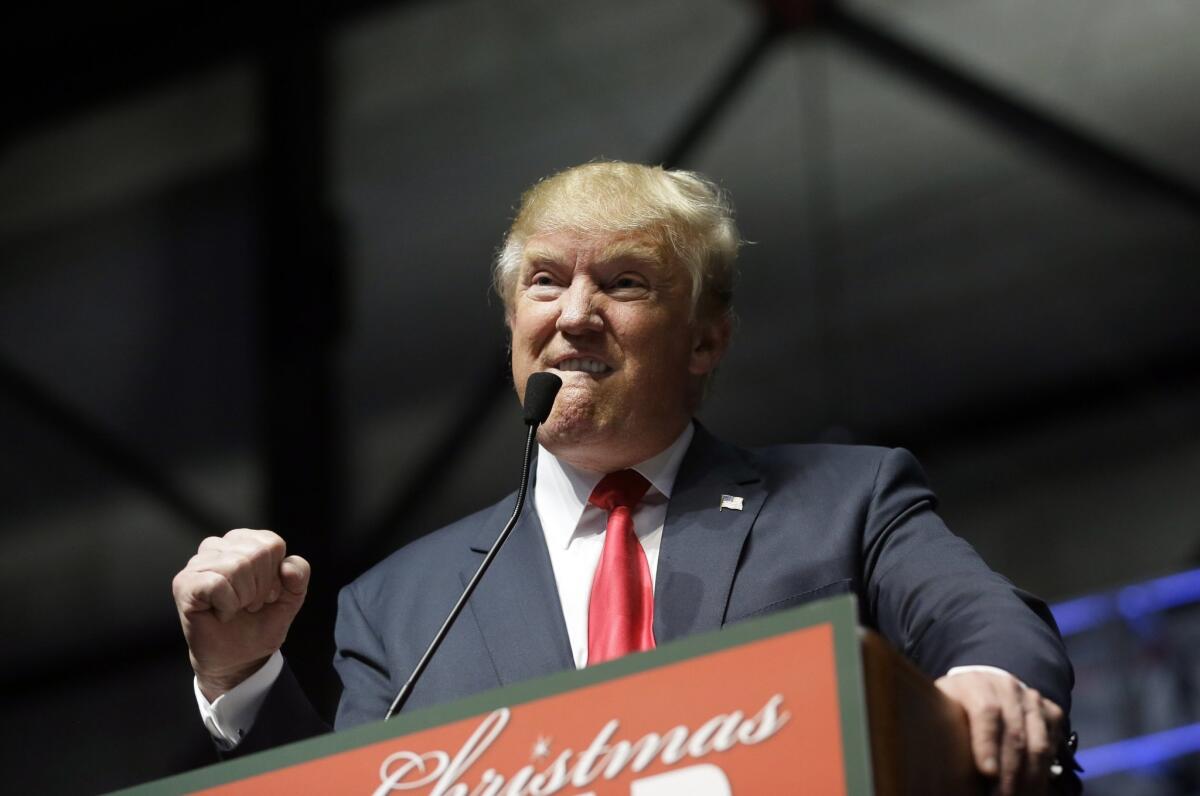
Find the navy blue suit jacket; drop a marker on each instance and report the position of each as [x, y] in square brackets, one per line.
[817, 520]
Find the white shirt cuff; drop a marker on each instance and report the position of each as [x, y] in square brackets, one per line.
[982, 668]
[230, 716]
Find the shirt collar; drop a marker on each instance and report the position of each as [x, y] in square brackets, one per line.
[562, 490]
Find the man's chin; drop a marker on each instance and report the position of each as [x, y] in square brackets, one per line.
[565, 431]
[556, 433]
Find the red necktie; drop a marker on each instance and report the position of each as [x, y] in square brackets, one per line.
[621, 611]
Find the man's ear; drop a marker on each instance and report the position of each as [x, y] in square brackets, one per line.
[710, 340]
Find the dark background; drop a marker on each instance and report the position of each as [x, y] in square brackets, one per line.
[244, 282]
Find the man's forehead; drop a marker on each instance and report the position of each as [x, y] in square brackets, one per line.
[603, 247]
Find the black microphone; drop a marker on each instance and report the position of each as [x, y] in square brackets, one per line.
[540, 390]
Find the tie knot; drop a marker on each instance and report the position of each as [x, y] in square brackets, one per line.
[622, 488]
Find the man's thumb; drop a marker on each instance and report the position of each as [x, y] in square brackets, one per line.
[294, 572]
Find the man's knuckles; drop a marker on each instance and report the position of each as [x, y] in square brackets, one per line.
[211, 544]
[195, 587]
[206, 593]
[985, 714]
[274, 544]
[221, 587]
[247, 541]
[230, 560]
[268, 541]
[1014, 739]
[245, 533]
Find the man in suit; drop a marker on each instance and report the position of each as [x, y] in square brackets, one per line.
[618, 278]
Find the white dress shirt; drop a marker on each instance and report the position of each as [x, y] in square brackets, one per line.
[574, 529]
[574, 532]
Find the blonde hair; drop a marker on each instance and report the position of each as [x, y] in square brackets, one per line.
[687, 217]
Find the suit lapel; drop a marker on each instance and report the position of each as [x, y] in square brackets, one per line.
[702, 543]
[516, 605]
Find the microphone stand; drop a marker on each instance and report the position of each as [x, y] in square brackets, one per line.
[402, 697]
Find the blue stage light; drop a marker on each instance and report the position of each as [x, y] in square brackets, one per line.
[1131, 602]
[1141, 752]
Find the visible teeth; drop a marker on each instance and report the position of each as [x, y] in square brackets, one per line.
[586, 365]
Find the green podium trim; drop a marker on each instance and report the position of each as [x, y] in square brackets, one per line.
[839, 612]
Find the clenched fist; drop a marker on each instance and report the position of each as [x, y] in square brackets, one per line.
[236, 599]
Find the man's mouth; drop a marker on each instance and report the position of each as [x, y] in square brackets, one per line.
[582, 365]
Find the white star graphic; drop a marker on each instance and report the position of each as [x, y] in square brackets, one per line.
[541, 749]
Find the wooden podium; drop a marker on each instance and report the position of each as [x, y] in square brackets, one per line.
[801, 702]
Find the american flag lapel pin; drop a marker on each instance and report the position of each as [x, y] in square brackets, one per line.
[731, 502]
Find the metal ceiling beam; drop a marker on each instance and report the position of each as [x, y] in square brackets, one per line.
[387, 530]
[107, 449]
[1073, 146]
[720, 94]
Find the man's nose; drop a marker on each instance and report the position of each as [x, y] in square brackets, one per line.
[578, 313]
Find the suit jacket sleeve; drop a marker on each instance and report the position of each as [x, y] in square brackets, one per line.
[287, 714]
[931, 594]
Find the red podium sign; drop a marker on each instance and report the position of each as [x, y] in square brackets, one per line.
[769, 706]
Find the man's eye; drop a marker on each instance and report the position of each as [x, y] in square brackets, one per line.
[626, 283]
[542, 280]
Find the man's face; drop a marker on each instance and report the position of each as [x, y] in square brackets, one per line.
[612, 319]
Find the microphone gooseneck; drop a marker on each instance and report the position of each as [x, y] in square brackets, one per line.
[540, 391]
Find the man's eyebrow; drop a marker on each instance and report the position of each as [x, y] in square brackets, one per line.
[629, 250]
[620, 250]
[543, 254]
